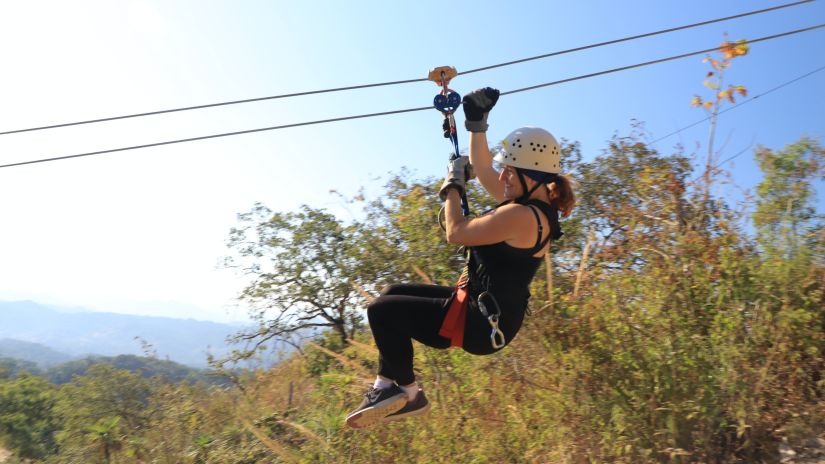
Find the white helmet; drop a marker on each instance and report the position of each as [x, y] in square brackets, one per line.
[531, 148]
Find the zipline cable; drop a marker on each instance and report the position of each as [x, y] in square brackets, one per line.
[409, 110]
[407, 81]
[662, 60]
[640, 36]
[285, 126]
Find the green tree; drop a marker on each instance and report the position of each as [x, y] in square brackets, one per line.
[302, 269]
[785, 209]
[27, 416]
[630, 192]
[104, 436]
[787, 305]
[105, 399]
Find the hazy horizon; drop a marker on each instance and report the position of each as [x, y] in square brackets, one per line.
[171, 309]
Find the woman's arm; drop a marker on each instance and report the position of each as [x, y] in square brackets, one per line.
[507, 223]
[477, 105]
[482, 161]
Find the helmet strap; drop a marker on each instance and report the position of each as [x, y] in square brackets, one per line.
[522, 199]
[526, 195]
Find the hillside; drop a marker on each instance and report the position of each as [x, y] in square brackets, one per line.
[11, 367]
[64, 373]
[36, 353]
[146, 367]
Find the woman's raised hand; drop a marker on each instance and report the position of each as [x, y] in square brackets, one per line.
[477, 105]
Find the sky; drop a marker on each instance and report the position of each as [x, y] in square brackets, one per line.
[143, 231]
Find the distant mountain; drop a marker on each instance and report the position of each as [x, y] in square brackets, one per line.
[147, 367]
[77, 333]
[36, 353]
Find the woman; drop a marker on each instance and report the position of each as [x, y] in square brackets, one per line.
[506, 246]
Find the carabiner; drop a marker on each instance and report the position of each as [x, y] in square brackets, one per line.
[496, 336]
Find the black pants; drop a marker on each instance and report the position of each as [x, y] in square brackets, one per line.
[404, 312]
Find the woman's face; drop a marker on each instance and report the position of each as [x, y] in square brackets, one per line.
[512, 186]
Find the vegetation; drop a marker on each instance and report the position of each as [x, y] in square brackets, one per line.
[678, 328]
[147, 367]
[11, 367]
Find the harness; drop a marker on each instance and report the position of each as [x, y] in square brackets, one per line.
[453, 325]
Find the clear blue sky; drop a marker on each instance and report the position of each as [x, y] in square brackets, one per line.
[142, 231]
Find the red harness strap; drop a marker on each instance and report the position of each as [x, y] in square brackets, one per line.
[453, 325]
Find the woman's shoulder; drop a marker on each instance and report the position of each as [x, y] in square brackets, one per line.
[510, 208]
[514, 211]
[511, 216]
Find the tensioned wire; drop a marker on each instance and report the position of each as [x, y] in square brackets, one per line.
[409, 110]
[748, 100]
[785, 84]
[408, 81]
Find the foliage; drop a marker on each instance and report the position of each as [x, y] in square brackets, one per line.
[10, 367]
[714, 80]
[147, 367]
[100, 410]
[27, 420]
[302, 267]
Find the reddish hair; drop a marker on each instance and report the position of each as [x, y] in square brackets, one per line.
[560, 193]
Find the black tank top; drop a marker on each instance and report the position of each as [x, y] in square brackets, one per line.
[506, 271]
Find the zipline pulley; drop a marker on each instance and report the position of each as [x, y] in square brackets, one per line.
[447, 102]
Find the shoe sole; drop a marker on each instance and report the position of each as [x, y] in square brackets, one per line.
[373, 415]
[416, 412]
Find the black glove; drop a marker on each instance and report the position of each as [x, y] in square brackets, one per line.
[477, 105]
[459, 171]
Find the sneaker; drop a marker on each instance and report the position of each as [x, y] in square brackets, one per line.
[419, 405]
[377, 404]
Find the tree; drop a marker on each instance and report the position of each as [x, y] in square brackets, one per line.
[784, 206]
[631, 193]
[105, 405]
[302, 269]
[104, 435]
[789, 233]
[714, 80]
[27, 418]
